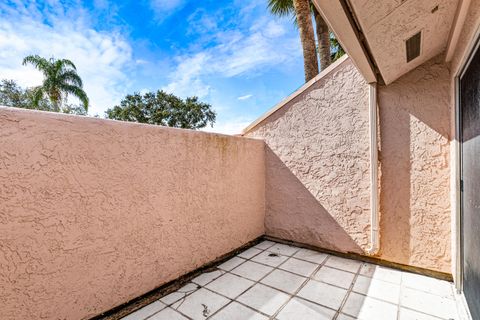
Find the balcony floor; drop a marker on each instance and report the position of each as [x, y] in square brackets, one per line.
[277, 281]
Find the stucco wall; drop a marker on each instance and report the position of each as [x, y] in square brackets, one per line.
[96, 212]
[463, 49]
[414, 155]
[317, 184]
[317, 164]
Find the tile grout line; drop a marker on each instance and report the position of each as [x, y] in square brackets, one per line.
[400, 296]
[301, 287]
[290, 295]
[257, 281]
[266, 275]
[204, 286]
[349, 291]
[254, 282]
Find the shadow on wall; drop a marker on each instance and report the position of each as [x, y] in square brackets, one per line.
[395, 179]
[302, 218]
[414, 156]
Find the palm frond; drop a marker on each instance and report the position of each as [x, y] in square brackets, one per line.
[70, 77]
[68, 63]
[77, 92]
[281, 8]
[38, 62]
[37, 95]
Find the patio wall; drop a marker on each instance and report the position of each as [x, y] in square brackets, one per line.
[317, 164]
[317, 184]
[95, 212]
[415, 165]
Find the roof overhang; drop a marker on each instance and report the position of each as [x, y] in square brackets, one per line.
[375, 33]
[340, 23]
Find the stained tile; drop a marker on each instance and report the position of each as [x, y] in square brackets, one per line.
[311, 256]
[301, 309]
[428, 303]
[283, 249]
[300, 267]
[379, 289]
[230, 285]
[264, 245]
[284, 281]
[179, 294]
[232, 263]
[207, 277]
[249, 253]
[366, 308]
[264, 299]
[323, 294]
[381, 273]
[146, 311]
[252, 270]
[236, 311]
[200, 304]
[334, 276]
[168, 314]
[269, 258]
[344, 264]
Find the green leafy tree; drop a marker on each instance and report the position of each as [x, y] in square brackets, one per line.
[329, 49]
[12, 95]
[164, 109]
[60, 80]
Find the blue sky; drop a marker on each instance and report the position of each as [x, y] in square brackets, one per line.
[232, 54]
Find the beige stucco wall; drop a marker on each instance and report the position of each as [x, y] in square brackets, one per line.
[415, 156]
[317, 164]
[96, 212]
[317, 184]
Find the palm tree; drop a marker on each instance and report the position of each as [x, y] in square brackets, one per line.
[329, 49]
[307, 37]
[60, 80]
[323, 38]
[300, 11]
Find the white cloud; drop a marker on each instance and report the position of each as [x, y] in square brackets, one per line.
[245, 97]
[233, 55]
[165, 8]
[185, 80]
[141, 61]
[100, 58]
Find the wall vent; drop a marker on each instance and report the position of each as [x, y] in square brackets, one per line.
[413, 46]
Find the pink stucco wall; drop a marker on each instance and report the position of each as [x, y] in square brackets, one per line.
[317, 164]
[96, 212]
[415, 157]
[317, 184]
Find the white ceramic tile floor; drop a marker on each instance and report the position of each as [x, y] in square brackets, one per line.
[303, 284]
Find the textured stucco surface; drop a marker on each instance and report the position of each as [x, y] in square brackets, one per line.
[317, 164]
[415, 156]
[387, 24]
[317, 183]
[95, 212]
